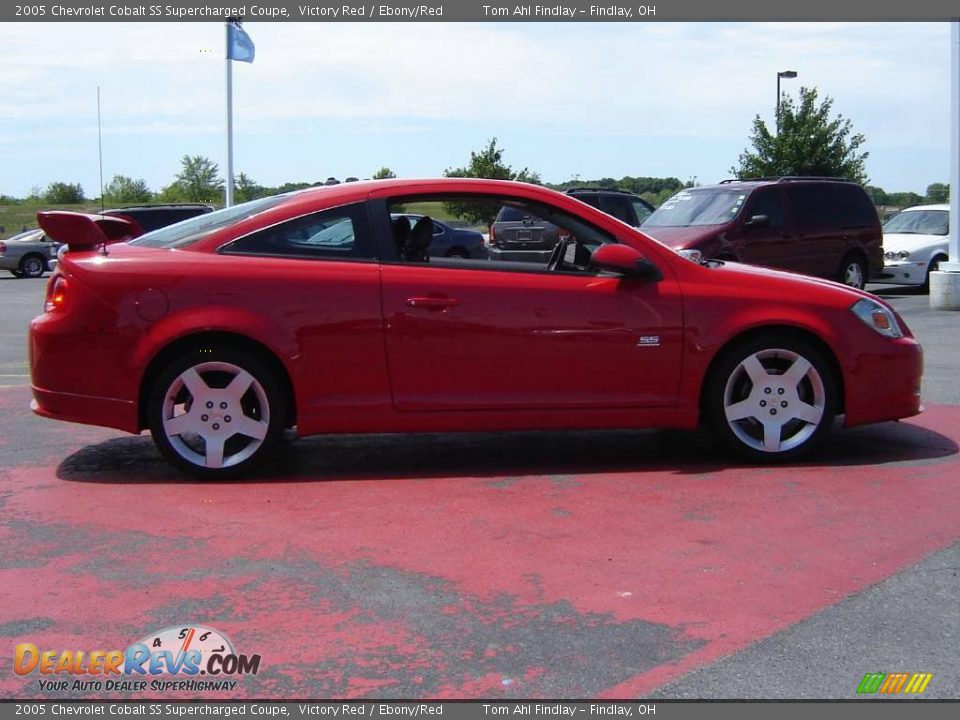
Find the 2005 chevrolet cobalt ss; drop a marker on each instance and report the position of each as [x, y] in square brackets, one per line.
[323, 310]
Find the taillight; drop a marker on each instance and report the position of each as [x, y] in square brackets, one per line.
[3, 247]
[56, 293]
[491, 237]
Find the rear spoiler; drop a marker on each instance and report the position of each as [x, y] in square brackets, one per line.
[80, 231]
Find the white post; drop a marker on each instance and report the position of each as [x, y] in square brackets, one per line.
[945, 285]
[229, 199]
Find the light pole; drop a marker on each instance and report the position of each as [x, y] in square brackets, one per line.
[789, 75]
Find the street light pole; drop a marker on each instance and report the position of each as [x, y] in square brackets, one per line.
[788, 74]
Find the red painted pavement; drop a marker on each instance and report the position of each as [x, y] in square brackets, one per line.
[457, 567]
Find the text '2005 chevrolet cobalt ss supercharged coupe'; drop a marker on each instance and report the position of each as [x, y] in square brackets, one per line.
[323, 310]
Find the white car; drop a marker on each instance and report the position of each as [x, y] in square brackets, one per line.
[914, 243]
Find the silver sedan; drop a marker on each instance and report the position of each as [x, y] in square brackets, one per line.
[29, 254]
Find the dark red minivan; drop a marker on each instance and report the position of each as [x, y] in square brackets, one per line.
[817, 226]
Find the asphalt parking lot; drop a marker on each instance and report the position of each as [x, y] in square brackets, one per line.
[600, 564]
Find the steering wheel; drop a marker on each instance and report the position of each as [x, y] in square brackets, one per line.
[559, 251]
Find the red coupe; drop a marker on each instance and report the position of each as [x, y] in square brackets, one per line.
[323, 310]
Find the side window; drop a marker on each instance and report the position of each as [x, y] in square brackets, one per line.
[619, 207]
[337, 234]
[485, 232]
[812, 205]
[767, 201]
[831, 204]
[854, 207]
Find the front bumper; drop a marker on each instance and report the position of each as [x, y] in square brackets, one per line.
[884, 383]
[903, 272]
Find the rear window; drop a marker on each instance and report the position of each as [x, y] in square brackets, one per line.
[155, 218]
[189, 231]
[512, 214]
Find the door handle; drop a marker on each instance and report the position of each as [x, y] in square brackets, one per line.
[432, 303]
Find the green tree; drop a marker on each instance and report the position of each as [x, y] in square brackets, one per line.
[878, 195]
[384, 173]
[810, 142]
[58, 193]
[246, 188]
[488, 163]
[198, 181]
[938, 193]
[122, 189]
[903, 199]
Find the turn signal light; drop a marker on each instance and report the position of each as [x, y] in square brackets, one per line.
[56, 293]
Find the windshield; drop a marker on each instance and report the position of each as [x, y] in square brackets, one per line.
[189, 231]
[918, 222]
[698, 207]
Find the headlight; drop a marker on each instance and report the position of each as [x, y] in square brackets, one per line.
[903, 254]
[876, 316]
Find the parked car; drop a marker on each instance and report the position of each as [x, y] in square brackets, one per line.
[515, 235]
[28, 255]
[817, 226]
[447, 241]
[914, 243]
[153, 217]
[218, 333]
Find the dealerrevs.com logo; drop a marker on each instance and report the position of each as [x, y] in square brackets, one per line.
[171, 659]
[894, 683]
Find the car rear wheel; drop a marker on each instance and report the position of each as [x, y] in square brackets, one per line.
[771, 399]
[216, 413]
[853, 272]
[32, 266]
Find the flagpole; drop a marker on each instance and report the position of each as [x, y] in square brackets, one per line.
[100, 149]
[229, 198]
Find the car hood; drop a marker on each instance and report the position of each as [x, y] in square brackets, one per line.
[911, 241]
[679, 237]
[788, 282]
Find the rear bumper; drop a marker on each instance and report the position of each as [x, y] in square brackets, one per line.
[532, 256]
[885, 384]
[105, 412]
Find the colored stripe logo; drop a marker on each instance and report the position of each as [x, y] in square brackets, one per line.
[894, 683]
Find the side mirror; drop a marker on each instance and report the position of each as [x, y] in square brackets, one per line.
[757, 221]
[624, 260]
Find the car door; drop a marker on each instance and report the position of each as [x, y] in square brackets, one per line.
[472, 335]
[772, 243]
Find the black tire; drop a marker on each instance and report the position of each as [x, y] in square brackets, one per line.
[932, 267]
[196, 438]
[32, 266]
[853, 272]
[771, 398]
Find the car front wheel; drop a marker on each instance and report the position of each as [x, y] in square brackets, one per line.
[771, 398]
[216, 413]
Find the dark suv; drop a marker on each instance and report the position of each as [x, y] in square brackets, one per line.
[517, 235]
[153, 217]
[826, 227]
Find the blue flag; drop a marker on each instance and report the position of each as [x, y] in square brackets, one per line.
[239, 45]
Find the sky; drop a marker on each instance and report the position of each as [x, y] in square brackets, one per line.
[567, 100]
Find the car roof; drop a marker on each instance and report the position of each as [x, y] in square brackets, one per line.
[926, 207]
